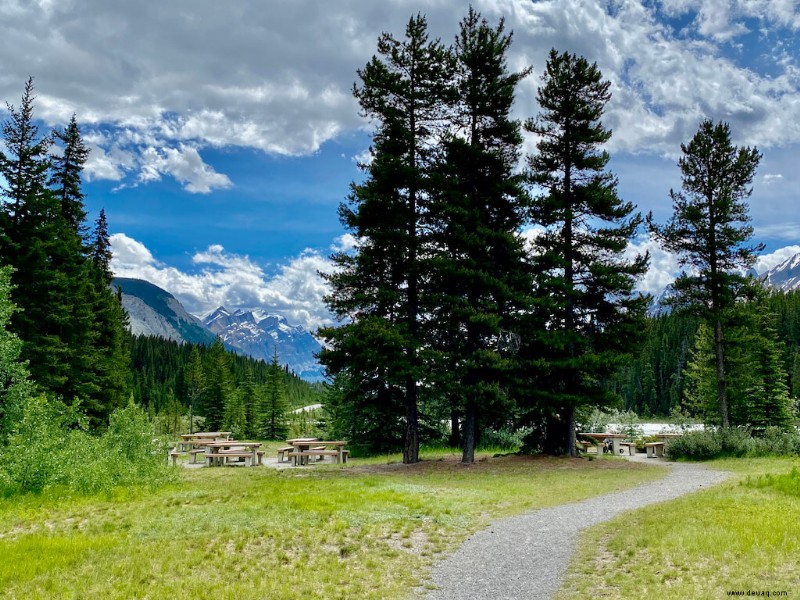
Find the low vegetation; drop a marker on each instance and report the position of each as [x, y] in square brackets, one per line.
[48, 448]
[734, 442]
[743, 535]
[367, 531]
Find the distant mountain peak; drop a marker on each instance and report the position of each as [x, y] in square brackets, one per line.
[785, 276]
[259, 334]
[254, 332]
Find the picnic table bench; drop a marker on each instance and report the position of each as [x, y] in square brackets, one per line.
[302, 450]
[219, 453]
[631, 446]
[654, 449]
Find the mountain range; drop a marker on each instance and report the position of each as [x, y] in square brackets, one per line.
[154, 311]
[255, 332]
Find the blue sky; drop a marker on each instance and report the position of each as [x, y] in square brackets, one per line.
[224, 135]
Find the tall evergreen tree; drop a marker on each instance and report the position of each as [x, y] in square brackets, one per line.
[273, 405]
[709, 231]
[478, 277]
[219, 385]
[111, 349]
[584, 284]
[378, 288]
[71, 275]
[194, 384]
[27, 239]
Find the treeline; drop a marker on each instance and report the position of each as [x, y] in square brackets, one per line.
[163, 378]
[654, 382]
[70, 322]
[450, 315]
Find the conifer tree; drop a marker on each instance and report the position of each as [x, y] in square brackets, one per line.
[27, 234]
[219, 385]
[478, 276]
[234, 417]
[194, 384]
[111, 365]
[587, 311]
[273, 405]
[378, 288]
[709, 231]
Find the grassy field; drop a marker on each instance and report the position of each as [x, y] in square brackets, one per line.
[741, 536]
[370, 529]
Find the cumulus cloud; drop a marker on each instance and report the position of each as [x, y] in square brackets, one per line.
[185, 165]
[295, 291]
[277, 77]
[663, 265]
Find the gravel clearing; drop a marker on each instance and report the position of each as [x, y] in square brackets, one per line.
[525, 557]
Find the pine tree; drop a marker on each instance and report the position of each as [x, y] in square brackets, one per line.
[28, 234]
[219, 385]
[587, 311]
[709, 231]
[111, 364]
[71, 269]
[194, 384]
[234, 417]
[478, 279]
[273, 406]
[379, 286]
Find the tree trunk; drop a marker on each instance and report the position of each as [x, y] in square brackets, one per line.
[411, 443]
[722, 398]
[571, 434]
[455, 434]
[468, 456]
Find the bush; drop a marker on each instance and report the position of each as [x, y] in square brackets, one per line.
[49, 447]
[734, 442]
[506, 439]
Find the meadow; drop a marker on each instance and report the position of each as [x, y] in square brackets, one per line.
[368, 529]
[740, 536]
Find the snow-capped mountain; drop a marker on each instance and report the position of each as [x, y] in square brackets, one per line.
[785, 276]
[153, 311]
[259, 334]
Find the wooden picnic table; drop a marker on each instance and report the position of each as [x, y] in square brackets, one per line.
[304, 448]
[192, 439]
[217, 452]
[599, 438]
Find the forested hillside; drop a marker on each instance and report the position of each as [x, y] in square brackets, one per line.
[654, 381]
[160, 368]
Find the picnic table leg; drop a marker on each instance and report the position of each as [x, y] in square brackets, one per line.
[339, 456]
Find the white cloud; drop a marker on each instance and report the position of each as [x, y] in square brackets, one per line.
[663, 265]
[224, 279]
[770, 178]
[277, 77]
[185, 165]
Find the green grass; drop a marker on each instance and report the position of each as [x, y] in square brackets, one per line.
[743, 535]
[370, 529]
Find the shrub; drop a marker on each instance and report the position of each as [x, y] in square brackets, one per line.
[48, 447]
[502, 439]
[736, 442]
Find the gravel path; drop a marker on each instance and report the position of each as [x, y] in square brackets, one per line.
[525, 557]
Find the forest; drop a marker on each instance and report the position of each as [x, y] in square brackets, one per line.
[454, 327]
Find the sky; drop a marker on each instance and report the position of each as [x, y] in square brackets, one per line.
[224, 135]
